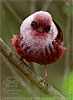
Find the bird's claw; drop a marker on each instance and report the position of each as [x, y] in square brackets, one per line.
[45, 82]
[21, 61]
[42, 80]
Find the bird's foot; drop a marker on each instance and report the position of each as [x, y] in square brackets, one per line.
[45, 81]
[45, 84]
[21, 61]
[42, 80]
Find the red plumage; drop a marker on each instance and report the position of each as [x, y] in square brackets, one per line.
[29, 49]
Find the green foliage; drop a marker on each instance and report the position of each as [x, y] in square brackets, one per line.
[68, 9]
[69, 86]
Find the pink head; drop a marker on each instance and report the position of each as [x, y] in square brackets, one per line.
[42, 23]
[39, 24]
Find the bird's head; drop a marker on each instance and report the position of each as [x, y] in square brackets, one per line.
[39, 24]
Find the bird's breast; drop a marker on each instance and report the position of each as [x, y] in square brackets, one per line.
[39, 52]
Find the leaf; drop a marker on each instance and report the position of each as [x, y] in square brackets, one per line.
[68, 9]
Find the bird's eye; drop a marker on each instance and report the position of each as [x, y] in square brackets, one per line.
[33, 24]
[47, 29]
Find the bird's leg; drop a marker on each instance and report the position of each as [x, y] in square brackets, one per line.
[46, 77]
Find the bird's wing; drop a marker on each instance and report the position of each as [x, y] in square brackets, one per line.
[60, 33]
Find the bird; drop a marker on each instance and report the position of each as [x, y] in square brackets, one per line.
[39, 40]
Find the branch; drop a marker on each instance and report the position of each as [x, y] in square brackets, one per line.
[68, 38]
[17, 76]
[9, 54]
[12, 10]
[46, 5]
[33, 6]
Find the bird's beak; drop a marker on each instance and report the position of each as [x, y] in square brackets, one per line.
[40, 30]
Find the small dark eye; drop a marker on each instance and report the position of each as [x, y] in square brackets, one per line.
[47, 29]
[33, 24]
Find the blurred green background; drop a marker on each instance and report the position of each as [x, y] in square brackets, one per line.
[60, 74]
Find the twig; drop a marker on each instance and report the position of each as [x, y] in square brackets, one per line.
[67, 2]
[68, 41]
[68, 44]
[12, 10]
[10, 30]
[33, 6]
[50, 91]
[46, 5]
